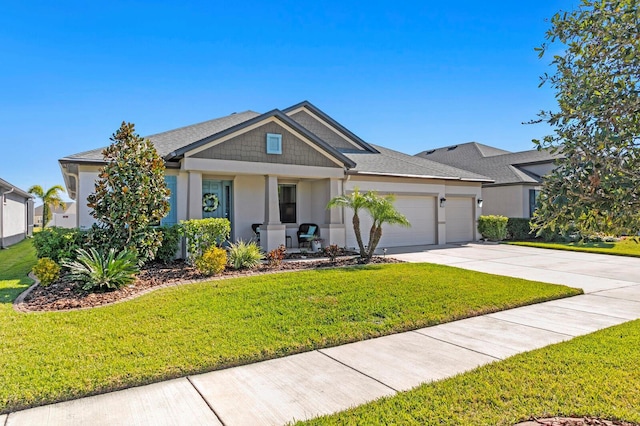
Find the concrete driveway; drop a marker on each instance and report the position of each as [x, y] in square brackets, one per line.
[591, 272]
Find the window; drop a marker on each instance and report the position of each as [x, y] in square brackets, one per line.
[172, 217]
[274, 143]
[533, 200]
[287, 200]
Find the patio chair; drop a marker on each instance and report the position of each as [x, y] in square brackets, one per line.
[307, 232]
[256, 231]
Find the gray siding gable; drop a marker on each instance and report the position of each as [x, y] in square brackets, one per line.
[251, 146]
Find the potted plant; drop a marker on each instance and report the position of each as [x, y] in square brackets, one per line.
[316, 244]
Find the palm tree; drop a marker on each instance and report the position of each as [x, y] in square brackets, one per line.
[50, 199]
[381, 210]
[355, 201]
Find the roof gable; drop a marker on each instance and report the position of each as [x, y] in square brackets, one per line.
[316, 121]
[274, 115]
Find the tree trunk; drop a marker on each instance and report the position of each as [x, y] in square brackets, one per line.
[356, 230]
[373, 243]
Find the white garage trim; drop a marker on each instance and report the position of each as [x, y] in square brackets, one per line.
[419, 210]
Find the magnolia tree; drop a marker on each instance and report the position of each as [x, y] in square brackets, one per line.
[130, 194]
[381, 210]
[594, 189]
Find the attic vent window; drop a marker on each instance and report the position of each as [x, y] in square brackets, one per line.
[274, 143]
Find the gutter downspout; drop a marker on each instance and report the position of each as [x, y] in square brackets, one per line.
[2, 202]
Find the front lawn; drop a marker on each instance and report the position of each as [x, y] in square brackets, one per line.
[594, 375]
[46, 357]
[626, 247]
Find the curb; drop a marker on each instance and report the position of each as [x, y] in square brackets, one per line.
[18, 303]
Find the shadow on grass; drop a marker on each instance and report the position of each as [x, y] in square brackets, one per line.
[10, 289]
[601, 245]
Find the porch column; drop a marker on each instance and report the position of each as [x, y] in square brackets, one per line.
[271, 205]
[194, 210]
[333, 231]
[272, 231]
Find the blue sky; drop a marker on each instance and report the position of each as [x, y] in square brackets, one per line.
[409, 75]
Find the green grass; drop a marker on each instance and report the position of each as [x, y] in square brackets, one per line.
[626, 247]
[15, 263]
[597, 375]
[47, 357]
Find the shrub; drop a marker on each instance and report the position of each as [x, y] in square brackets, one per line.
[276, 256]
[96, 270]
[493, 227]
[212, 261]
[518, 229]
[47, 271]
[332, 251]
[204, 233]
[170, 241]
[244, 255]
[58, 244]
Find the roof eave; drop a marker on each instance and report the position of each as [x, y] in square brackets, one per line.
[408, 175]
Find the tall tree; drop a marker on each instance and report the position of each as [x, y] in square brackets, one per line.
[594, 189]
[130, 193]
[381, 210]
[50, 200]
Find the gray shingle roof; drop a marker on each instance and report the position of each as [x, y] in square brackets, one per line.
[384, 162]
[500, 165]
[4, 185]
[167, 142]
[391, 162]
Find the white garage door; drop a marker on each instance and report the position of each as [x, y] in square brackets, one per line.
[421, 213]
[460, 221]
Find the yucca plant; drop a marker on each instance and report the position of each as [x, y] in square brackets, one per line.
[98, 271]
[244, 255]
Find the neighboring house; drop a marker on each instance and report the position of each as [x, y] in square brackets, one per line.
[281, 168]
[16, 214]
[63, 218]
[517, 176]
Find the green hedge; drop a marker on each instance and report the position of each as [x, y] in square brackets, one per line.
[518, 229]
[493, 227]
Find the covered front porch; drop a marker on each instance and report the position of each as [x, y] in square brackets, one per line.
[278, 204]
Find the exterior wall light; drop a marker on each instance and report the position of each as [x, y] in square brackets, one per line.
[443, 202]
[480, 201]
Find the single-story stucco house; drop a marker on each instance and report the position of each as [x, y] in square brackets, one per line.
[517, 176]
[280, 169]
[16, 214]
[60, 217]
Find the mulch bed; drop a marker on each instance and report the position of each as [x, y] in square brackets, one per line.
[65, 294]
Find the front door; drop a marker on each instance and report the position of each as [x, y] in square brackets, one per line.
[212, 199]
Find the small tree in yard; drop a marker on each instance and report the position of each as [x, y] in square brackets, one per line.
[356, 201]
[50, 199]
[381, 210]
[594, 189]
[131, 194]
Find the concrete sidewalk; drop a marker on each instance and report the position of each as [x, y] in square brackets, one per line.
[328, 380]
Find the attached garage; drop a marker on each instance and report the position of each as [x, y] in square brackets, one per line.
[419, 210]
[460, 219]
